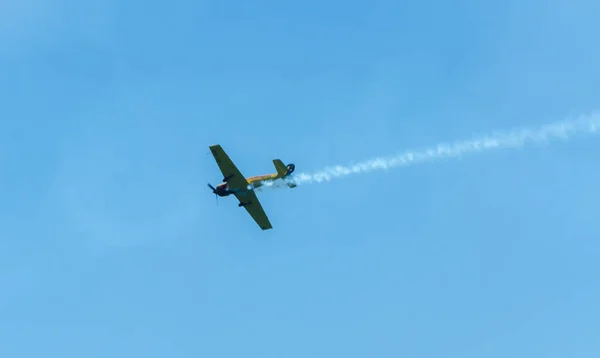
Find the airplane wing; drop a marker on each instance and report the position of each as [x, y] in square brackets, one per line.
[236, 179]
[254, 208]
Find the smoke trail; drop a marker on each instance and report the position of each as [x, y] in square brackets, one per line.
[585, 124]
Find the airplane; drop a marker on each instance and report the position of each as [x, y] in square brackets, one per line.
[243, 188]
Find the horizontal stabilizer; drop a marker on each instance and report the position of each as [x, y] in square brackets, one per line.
[282, 170]
[291, 185]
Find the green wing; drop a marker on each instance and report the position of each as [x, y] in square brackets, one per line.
[254, 208]
[236, 179]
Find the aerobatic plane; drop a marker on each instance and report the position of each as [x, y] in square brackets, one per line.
[243, 188]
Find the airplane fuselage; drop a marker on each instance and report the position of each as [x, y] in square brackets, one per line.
[254, 182]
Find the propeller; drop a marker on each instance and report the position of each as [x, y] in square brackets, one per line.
[214, 192]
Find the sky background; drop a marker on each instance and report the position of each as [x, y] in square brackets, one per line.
[111, 245]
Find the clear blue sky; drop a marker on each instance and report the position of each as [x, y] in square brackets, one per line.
[111, 245]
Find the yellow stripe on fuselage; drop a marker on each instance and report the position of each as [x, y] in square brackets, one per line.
[257, 181]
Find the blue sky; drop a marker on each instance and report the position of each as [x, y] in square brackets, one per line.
[112, 245]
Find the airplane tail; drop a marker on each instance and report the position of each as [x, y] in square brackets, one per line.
[284, 170]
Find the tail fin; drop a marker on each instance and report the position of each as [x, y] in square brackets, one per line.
[282, 170]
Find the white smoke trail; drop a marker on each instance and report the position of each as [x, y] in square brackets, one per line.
[585, 124]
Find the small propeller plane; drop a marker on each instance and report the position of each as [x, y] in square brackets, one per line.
[243, 188]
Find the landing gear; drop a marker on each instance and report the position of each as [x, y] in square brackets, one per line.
[244, 204]
[225, 179]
